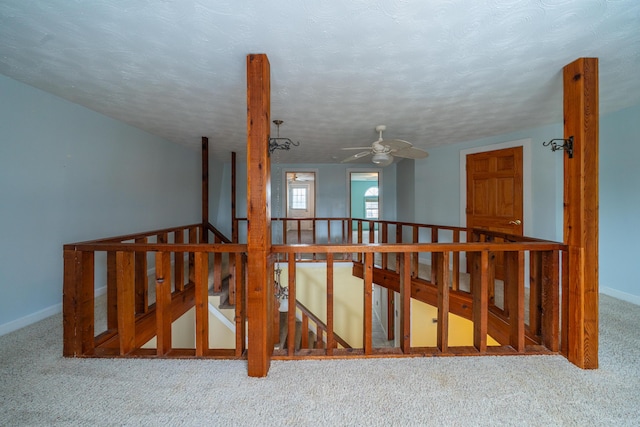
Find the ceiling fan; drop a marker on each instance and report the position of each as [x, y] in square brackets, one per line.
[384, 151]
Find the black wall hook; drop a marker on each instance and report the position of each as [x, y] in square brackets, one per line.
[567, 145]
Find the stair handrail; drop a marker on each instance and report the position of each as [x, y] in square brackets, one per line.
[320, 324]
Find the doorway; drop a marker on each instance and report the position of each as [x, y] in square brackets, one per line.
[364, 196]
[300, 201]
[494, 194]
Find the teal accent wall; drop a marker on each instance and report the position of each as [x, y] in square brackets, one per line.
[69, 174]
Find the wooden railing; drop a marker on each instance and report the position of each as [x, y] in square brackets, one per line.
[135, 311]
[450, 268]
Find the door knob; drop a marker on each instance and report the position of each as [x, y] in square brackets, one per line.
[515, 222]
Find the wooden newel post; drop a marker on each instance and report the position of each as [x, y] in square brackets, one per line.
[581, 209]
[260, 262]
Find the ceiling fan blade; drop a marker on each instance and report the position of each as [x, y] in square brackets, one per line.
[356, 156]
[411, 153]
[397, 144]
[356, 148]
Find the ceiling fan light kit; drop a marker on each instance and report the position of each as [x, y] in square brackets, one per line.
[383, 151]
[382, 159]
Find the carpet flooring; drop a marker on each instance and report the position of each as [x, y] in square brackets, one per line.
[38, 387]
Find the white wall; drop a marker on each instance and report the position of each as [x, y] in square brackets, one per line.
[69, 174]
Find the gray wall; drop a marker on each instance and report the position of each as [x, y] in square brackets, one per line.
[69, 174]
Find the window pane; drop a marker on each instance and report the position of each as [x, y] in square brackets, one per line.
[298, 198]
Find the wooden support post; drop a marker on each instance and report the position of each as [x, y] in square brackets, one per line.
[581, 209]
[126, 301]
[205, 189]
[163, 303]
[234, 219]
[404, 270]
[434, 264]
[260, 262]
[78, 303]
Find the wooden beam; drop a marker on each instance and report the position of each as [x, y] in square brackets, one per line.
[581, 209]
[260, 264]
[205, 189]
[234, 218]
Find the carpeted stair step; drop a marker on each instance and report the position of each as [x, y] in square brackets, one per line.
[223, 294]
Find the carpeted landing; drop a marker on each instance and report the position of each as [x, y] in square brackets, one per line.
[40, 388]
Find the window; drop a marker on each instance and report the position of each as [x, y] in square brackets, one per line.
[371, 203]
[299, 198]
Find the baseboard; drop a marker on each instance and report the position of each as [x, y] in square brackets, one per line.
[633, 299]
[29, 319]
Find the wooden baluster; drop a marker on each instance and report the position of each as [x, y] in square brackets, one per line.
[202, 303]
[299, 231]
[415, 263]
[291, 315]
[126, 301]
[217, 268]
[550, 300]
[193, 239]
[455, 283]
[305, 332]
[319, 337]
[141, 279]
[442, 281]
[514, 299]
[330, 338]
[480, 313]
[178, 279]
[359, 239]
[163, 303]
[368, 302]
[535, 291]
[564, 327]
[385, 239]
[241, 281]
[399, 240]
[372, 232]
[232, 277]
[405, 302]
[284, 231]
[112, 292]
[329, 231]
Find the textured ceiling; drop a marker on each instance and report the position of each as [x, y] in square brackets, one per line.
[434, 72]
